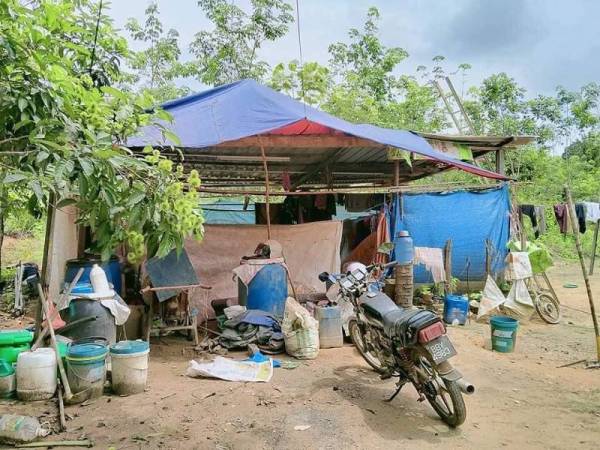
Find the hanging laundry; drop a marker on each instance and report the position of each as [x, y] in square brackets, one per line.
[561, 212]
[580, 213]
[533, 212]
[540, 212]
[433, 259]
[383, 236]
[592, 211]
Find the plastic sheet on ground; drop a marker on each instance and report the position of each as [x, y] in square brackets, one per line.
[231, 370]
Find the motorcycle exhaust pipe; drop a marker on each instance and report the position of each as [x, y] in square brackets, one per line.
[465, 386]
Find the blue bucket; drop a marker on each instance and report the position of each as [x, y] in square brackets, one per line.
[456, 309]
[504, 333]
[86, 366]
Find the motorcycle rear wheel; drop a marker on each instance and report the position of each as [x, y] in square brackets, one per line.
[356, 334]
[448, 401]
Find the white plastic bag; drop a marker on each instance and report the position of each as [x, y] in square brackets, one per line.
[491, 298]
[230, 370]
[300, 331]
[519, 300]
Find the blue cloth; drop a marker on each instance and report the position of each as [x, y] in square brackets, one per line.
[258, 357]
[246, 108]
[466, 217]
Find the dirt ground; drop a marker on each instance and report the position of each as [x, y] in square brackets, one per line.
[523, 400]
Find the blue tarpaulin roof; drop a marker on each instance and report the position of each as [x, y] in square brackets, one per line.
[246, 108]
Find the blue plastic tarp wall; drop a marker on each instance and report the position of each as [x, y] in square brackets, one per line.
[224, 212]
[469, 218]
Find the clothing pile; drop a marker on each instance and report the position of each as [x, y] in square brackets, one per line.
[253, 327]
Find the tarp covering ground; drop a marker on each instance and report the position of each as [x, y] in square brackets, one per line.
[466, 217]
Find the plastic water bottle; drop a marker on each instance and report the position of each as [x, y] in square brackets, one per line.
[99, 280]
[16, 429]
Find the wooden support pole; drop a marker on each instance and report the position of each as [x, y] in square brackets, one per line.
[396, 172]
[500, 161]
[267, 187]
[594, 248]
[448, 265]
[588, 286]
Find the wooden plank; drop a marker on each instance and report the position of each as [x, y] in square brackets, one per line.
[303, 141]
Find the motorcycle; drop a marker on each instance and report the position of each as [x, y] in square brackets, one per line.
[410, 344]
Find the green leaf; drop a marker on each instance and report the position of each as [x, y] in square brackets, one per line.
[22, 104]
[35, 186]
[86, 166]
[42, 156]
[14, 177]
[169, 135]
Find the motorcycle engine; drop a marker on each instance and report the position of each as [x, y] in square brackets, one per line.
[377, 342]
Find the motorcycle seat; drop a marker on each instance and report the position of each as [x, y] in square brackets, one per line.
[406, 323]
[378, 306]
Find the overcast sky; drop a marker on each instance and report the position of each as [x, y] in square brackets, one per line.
[541, 43]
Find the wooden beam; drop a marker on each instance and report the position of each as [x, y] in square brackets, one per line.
[303, 141]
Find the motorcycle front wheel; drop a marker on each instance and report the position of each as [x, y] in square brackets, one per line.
[444, 396]
[357, 336]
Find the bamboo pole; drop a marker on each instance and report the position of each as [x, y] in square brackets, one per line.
[267, 187]
[588, 286]
[594, 247]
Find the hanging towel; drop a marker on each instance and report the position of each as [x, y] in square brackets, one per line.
[592, 211]
[434, 261]
[519, 266]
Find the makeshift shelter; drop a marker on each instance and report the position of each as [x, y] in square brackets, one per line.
[247, 139]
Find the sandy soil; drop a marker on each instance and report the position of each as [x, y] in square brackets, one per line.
[522, 401]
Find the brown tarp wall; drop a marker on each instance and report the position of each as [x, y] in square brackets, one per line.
[309, 249]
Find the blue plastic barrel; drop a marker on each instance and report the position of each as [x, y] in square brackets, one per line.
[111, 267]
[456, 309]
[268, 290]
[404, 250]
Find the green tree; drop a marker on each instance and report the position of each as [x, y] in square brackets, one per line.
[367, 90]
[158, 66]
[230, 51]
[63, 129]
[309, 82]
[365, 63]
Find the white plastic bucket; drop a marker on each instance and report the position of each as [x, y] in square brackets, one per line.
[129, 372]
[36, 374]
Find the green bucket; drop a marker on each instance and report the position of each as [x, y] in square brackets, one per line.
[504, 333]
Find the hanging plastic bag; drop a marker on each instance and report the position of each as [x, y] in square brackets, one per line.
[300, 331]
[519, 300]
[491, 298]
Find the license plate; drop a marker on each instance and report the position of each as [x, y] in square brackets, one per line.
[440, 349]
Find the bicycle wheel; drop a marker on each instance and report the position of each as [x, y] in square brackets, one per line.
[548, 308]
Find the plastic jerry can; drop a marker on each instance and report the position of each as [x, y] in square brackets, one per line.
[330, 326]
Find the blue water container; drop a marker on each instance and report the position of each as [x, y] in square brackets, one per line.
[111, 267]
[456, 309]
[267, 291]
[404, 249]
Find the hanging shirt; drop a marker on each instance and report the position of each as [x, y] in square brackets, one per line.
[592, 211]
